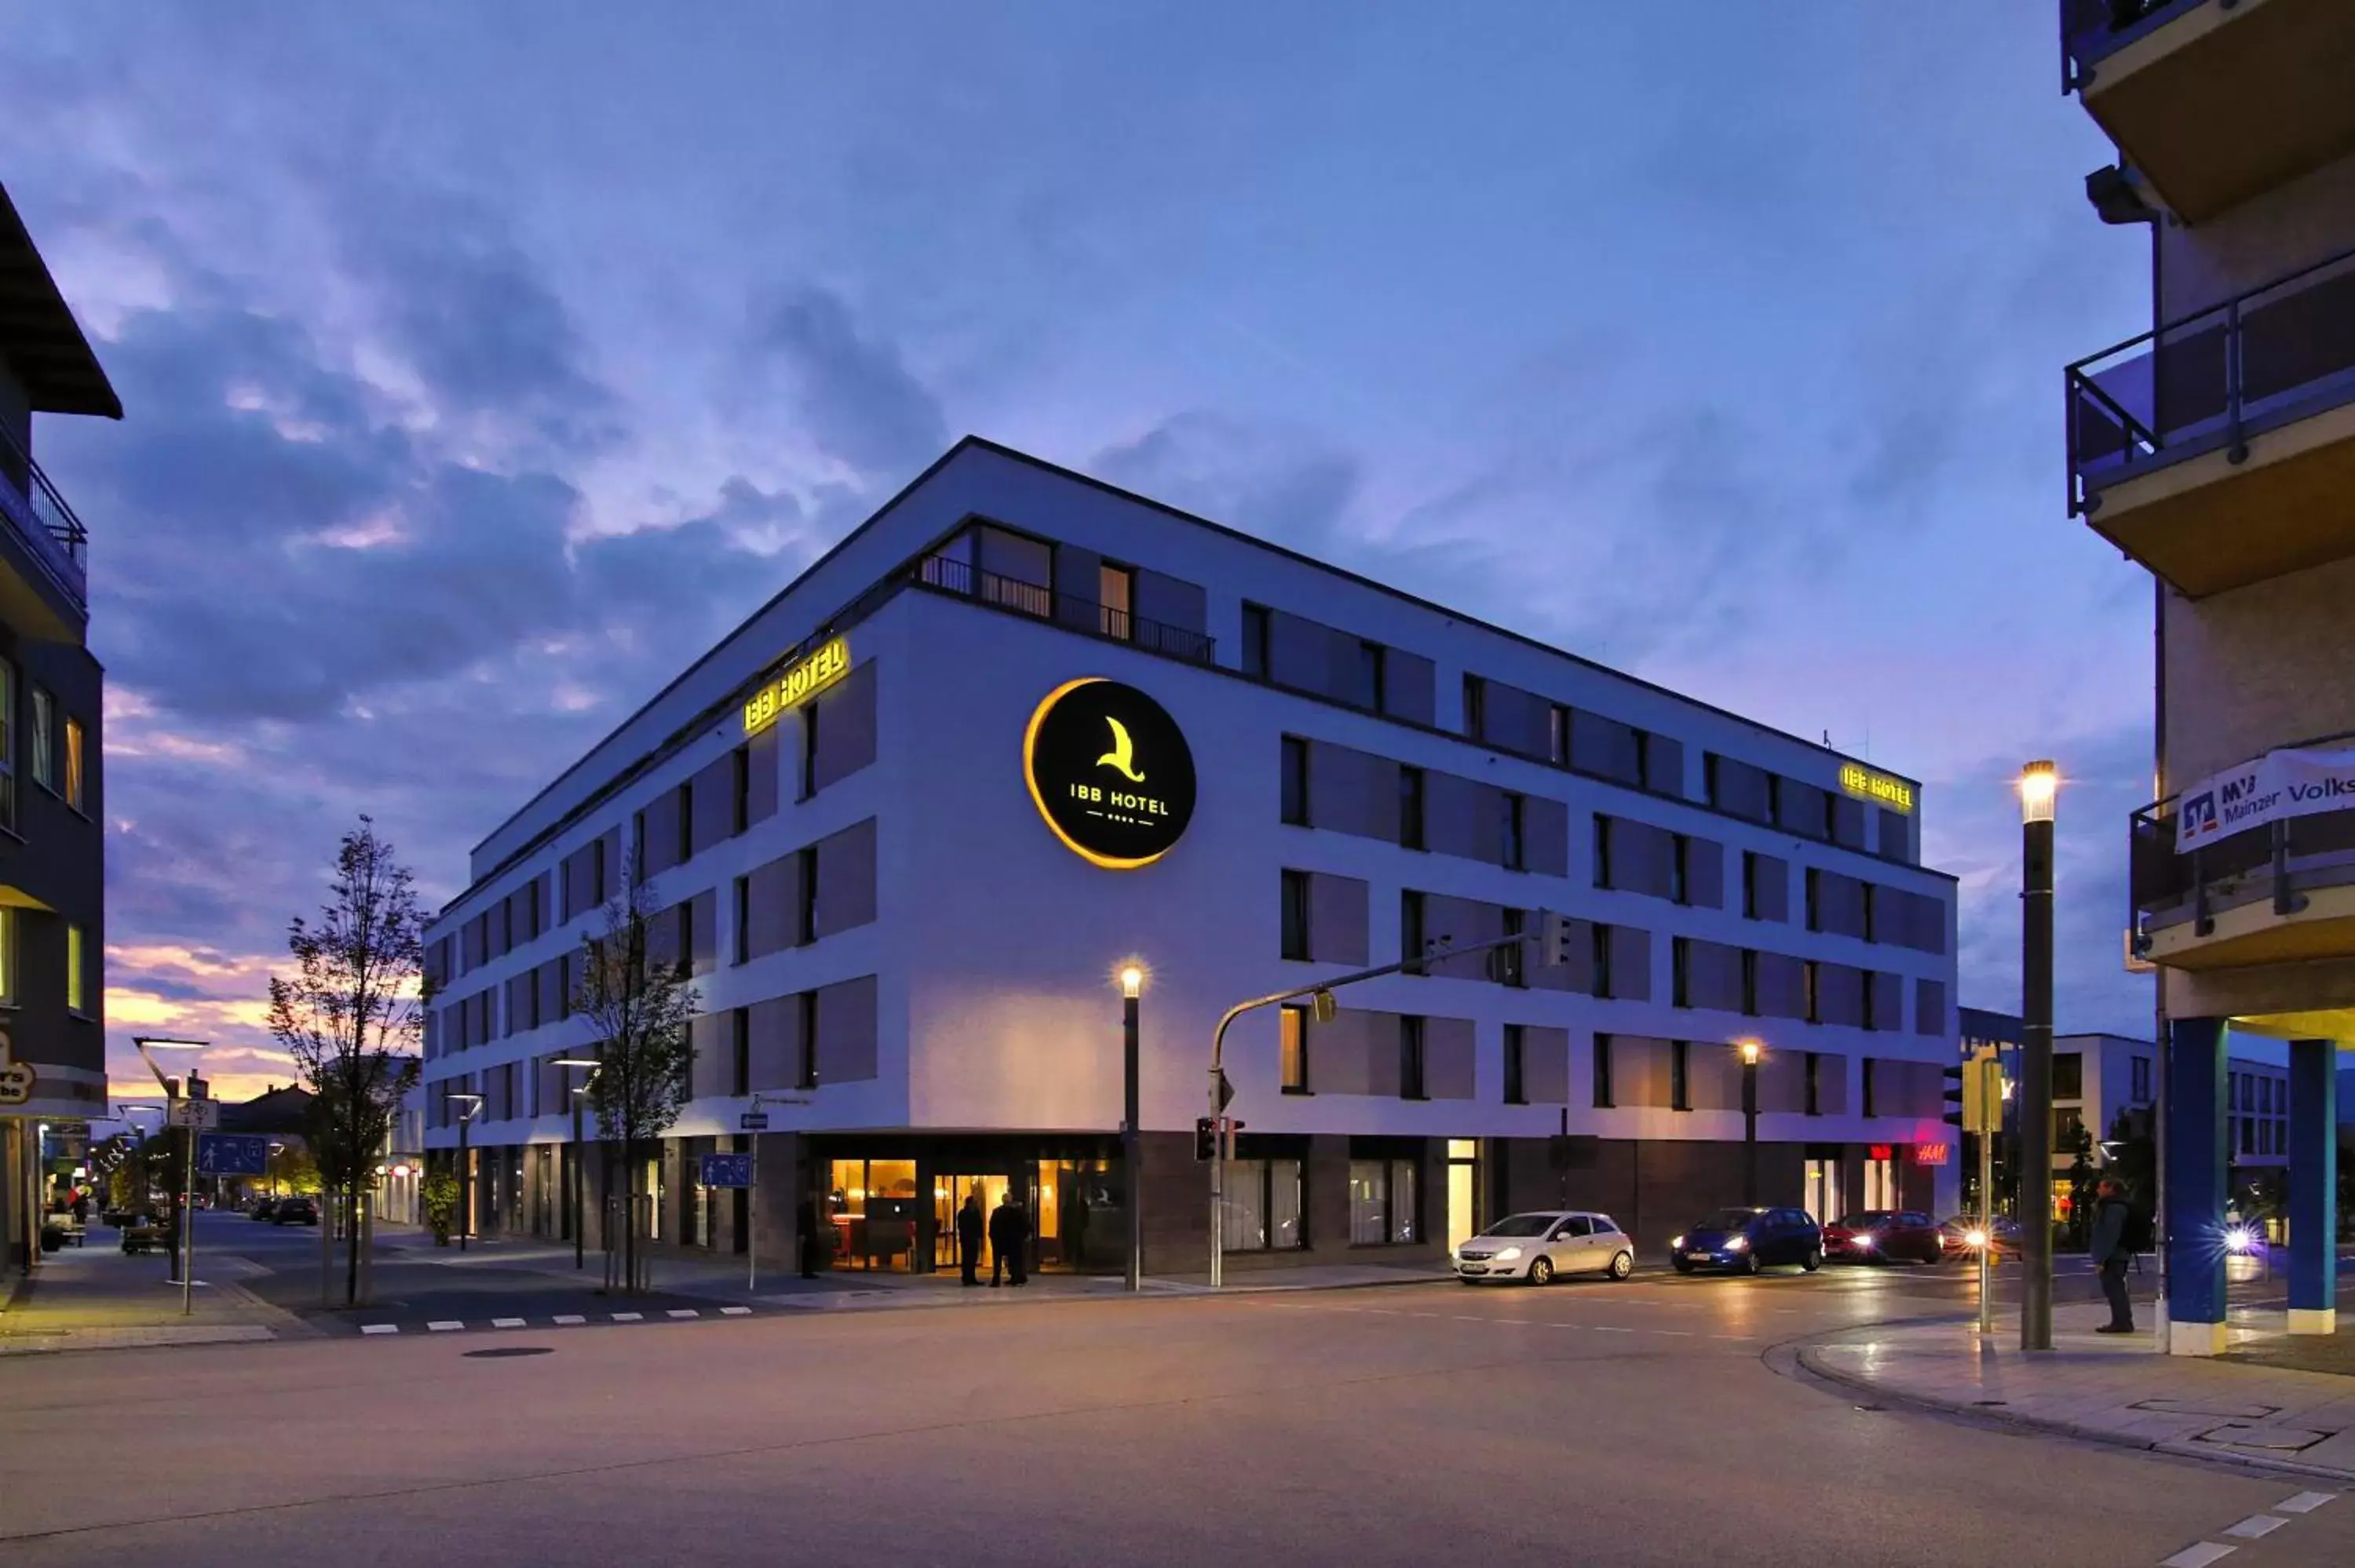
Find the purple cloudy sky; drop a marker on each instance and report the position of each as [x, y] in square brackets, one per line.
[484, 363]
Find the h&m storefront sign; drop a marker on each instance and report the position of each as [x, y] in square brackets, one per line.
[2276, 786]
[1110, 770]
[800, 681]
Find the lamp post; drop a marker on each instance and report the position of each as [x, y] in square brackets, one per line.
[470, 1105]
[1751, 1051]
[1132, 987]
[2039, 784]
[579, 1092]
[184, 1230]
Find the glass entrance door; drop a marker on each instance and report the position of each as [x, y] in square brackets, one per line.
[948, 1193]
[1463, 1184]
[1823, 1190]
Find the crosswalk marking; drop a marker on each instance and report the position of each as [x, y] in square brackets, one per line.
[569, 1320]
[507, 1322]
[685, 1312]
[443, 1325]
[379, 1327]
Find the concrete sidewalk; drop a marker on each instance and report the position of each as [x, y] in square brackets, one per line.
[2112, 1390]
[96, 1297]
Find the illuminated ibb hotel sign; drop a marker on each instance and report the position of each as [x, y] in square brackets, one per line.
[1879, 787]
[800, 683]
[1111, 772]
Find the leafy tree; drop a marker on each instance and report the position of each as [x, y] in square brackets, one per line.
[352, 1016]
[441, 1197]
[636, 994]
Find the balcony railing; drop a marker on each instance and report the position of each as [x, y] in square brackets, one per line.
[40, 515]
[1080, 614]
[2094, 30]
[2279, 862]
[2258, 361]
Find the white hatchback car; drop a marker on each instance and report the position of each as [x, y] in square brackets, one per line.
[1538, 1246]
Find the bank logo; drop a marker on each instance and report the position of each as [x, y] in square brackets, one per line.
[1122, 758]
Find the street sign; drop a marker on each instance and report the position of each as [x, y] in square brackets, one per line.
[727, 1171]
[752, 1121]
[195, 1113]
[232, 1154]
[16, 1078]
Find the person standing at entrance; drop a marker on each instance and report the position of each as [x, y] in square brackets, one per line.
[1001, 1241]
[2111, 1251]
[1018, 1242]
[968, 1235]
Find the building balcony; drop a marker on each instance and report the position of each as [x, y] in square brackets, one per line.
[2282, 892]
[946, 575]
[2214, 101]
[2219, 451]
[43, 591]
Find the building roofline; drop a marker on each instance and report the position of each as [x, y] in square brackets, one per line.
[43, 344]
[983, 443]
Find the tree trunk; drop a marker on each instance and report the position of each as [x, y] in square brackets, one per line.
[352, 1244]
[630, 1215]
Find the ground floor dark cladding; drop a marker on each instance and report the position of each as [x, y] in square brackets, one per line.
[888, 1201]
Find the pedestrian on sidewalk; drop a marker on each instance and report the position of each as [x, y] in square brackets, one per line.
[2111, 1251]
[969, 1227]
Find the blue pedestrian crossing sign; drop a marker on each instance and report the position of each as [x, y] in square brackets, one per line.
[232, 1154]
[727, 1171]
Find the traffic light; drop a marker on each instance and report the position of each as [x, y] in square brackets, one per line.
[1323, 1007]
[1553, 939]
[1954, 1095]
[1205, 1139]
[1983, 1094]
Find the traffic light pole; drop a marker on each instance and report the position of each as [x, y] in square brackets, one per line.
[1548, 936]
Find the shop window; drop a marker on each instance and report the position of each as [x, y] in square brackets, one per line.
[1262, 1206]
[1381, 1202]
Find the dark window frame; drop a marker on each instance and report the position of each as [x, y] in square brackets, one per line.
[805, 1067]
[1514, 850]
[1295, 938]
[1412, 808]
[1252, 658]
[1476, 706]
[1516, 1047]
[1414, 941]
[1605, 1091]
[1680, 1074]
[1413, 1058]
[1293, 805]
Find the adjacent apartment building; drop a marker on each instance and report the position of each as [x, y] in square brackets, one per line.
[2217, 450]
[52, 844]
[1021, 729]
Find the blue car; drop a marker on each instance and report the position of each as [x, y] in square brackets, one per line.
[1747, 1240]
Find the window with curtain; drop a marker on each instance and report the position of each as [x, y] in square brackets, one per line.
[1369, 1202]
[1262, 1206]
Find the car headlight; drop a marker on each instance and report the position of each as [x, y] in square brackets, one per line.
[1509, 1254]
[1864, 1240]
[2240, 1238]
[1678, 1242]
[1975, 1238]
[1737, 1244]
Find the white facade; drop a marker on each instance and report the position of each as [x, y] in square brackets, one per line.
[991, 946]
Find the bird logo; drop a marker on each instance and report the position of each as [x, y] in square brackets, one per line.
[1122, 758]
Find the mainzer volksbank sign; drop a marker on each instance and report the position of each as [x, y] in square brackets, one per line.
[2291, 782]
[1111, 772]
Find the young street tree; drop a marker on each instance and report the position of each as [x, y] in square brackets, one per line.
[352, 1016]
[636, 994]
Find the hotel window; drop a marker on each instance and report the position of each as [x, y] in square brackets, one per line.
[1810, 978]
[2068, 1121]
[1603, 1100]
[1866, 1087]
[1749, 982]
[1371, 694]
[806, 927]
[1680, 1074]
[1680, 857]
[1514, 1045]
[809, 751]
[1602, 961]
[1680, 972]
[1256, 625]
[1409, 824]
[1116, 602]
[1295, 915]
[806, 1069]
[1870, 889]
[77, 997]
[1512, 965]
[1412, 941]
[1814, 1084]
[1602, 850]
[1291, 1048]
[1558, 735]
[1381, 1202]
[1750, 885]
[1514, 818]
[2140, 1071]
[42, 744]
[744, 919]
[1295, 781]
[2067, 1075]
[1411, 1058]
[1475, 707]
[1261, 1203]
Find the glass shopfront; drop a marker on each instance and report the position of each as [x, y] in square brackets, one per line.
[899, 1213]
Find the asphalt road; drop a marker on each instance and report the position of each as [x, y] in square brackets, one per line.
[1651, 1422]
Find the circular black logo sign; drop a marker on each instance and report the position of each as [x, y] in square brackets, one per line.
[1110, 771]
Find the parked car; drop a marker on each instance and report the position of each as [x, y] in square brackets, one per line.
[1884, 1235]
[1537, 1247]
[1747, 1240]
[263, 1208]
[294, 1211]
[1961, 1238]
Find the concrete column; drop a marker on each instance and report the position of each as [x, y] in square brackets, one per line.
[2313, 1186]
[2195, 1187]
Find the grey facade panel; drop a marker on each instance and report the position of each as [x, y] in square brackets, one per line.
[1545, 1064]
[712, 805]
[1606, 747]
[1516, 720]
[1769, 886]
[1411, 687]
[845, 727]
[1782, 986]
[761, 754]
[846, 1031]
[1451, 816]
[1631, 963]
[1337, 919]
[773, 1029]
[1352, 791]
[1704, 874]
[1172, 601]
[772, 907]
[1448, 1059]
[1300, 654]
[1545, 836]
[845, 878]
[1340, 1057]
[712, 1037]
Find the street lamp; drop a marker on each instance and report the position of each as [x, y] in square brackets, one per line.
[579, 1092]
[1132, 987]
[469, 1106]
[1751, 1051]
[2040, 787]
[184, 1229]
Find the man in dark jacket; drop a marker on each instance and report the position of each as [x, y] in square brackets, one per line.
[2111, 1253]
[1009, 1232]
[968, 1236]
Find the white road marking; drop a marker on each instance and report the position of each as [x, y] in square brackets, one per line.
[507, 1322]
[1676, 1333]
[629, 1317]
[2198, 1556]
[735, 1311]
[2257, 1526]
[2305, 1502]
[685, 1312]
[569, 1320]
[379, 1327]
[1607, 1329]
[444, 1325]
